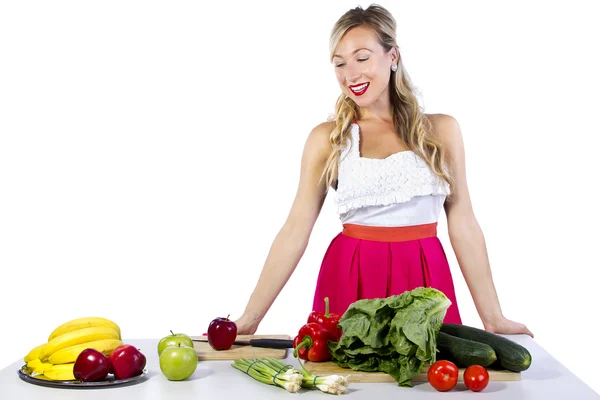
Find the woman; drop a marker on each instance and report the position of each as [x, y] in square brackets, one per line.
[393, 168]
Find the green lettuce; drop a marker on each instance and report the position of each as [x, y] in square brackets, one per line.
[396, 335]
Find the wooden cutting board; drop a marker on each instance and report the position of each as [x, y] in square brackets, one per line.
[205, 352]
[329, 368]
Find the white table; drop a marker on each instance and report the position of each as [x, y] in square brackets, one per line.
[546, 379]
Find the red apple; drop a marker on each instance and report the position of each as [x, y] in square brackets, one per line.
[127, 361]
[221, 333]
[91, 366]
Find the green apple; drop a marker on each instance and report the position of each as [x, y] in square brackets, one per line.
[179, 362]
[173, 340]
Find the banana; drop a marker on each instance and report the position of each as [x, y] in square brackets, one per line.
[37, 366]
[86, 322]
[34, 363]
[70, 354]
[77, 337]
[34, 353]
[62, 372]
[42, 368]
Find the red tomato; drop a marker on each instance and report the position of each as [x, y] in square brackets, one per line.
[476, 378]
[443, 375]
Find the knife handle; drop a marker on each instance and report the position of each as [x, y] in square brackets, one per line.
[272, 343]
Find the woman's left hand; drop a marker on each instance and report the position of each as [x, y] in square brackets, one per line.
[506, 326]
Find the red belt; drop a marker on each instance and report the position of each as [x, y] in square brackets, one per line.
[390, 233]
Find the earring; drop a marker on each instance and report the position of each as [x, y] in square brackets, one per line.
[394, 67]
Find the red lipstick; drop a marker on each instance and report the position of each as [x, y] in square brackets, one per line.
[359, 89]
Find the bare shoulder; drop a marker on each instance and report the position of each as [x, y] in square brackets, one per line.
[447, 128]
[318, 138]
[322, 131]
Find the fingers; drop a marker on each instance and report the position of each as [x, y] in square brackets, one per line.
[529, 332]
[511, 327]
[523, 329]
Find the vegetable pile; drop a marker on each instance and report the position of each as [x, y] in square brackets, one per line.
[396, 335]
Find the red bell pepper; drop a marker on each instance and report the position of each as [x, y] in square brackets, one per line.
[330, 321]
[311, 344]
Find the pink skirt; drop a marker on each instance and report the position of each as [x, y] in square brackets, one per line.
[377, 262]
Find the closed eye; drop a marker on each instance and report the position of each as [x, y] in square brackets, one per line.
[359, 60]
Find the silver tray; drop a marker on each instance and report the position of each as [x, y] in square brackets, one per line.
[110, 381]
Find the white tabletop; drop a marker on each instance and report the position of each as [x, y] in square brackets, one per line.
[545, 379]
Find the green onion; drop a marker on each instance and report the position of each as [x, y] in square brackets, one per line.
[273, 372]
[265, 373]
[334, 384]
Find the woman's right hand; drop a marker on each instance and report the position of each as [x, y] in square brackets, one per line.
[246, 326]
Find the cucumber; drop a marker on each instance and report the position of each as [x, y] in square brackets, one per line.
[464, 352]
[511, 355]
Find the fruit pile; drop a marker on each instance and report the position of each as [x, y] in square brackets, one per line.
[85, 349]
[177, 358]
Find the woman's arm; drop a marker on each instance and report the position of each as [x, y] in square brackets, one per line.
[291, 241]
[467, 238]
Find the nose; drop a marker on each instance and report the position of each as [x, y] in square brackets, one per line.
[352, 74]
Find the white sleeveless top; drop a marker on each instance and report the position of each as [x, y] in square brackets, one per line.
[399, 190]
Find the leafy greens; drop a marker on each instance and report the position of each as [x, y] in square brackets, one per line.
[396, 335]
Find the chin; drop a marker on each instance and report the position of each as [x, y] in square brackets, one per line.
[362, 101]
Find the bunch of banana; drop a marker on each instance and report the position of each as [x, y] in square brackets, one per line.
[55, 358]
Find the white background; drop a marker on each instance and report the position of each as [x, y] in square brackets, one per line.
[150, 151]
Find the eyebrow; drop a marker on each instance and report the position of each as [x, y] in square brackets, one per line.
[354, 52]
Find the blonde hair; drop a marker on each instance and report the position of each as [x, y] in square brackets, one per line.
[409, 121]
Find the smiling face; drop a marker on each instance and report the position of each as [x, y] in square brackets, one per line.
[363, 67]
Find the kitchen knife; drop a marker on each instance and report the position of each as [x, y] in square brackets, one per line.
[265, 343]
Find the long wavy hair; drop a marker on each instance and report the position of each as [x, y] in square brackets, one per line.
[409, 121]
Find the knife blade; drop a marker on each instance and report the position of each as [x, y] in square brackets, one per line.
[264, 343]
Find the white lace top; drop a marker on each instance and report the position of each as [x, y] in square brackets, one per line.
[399, 190]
